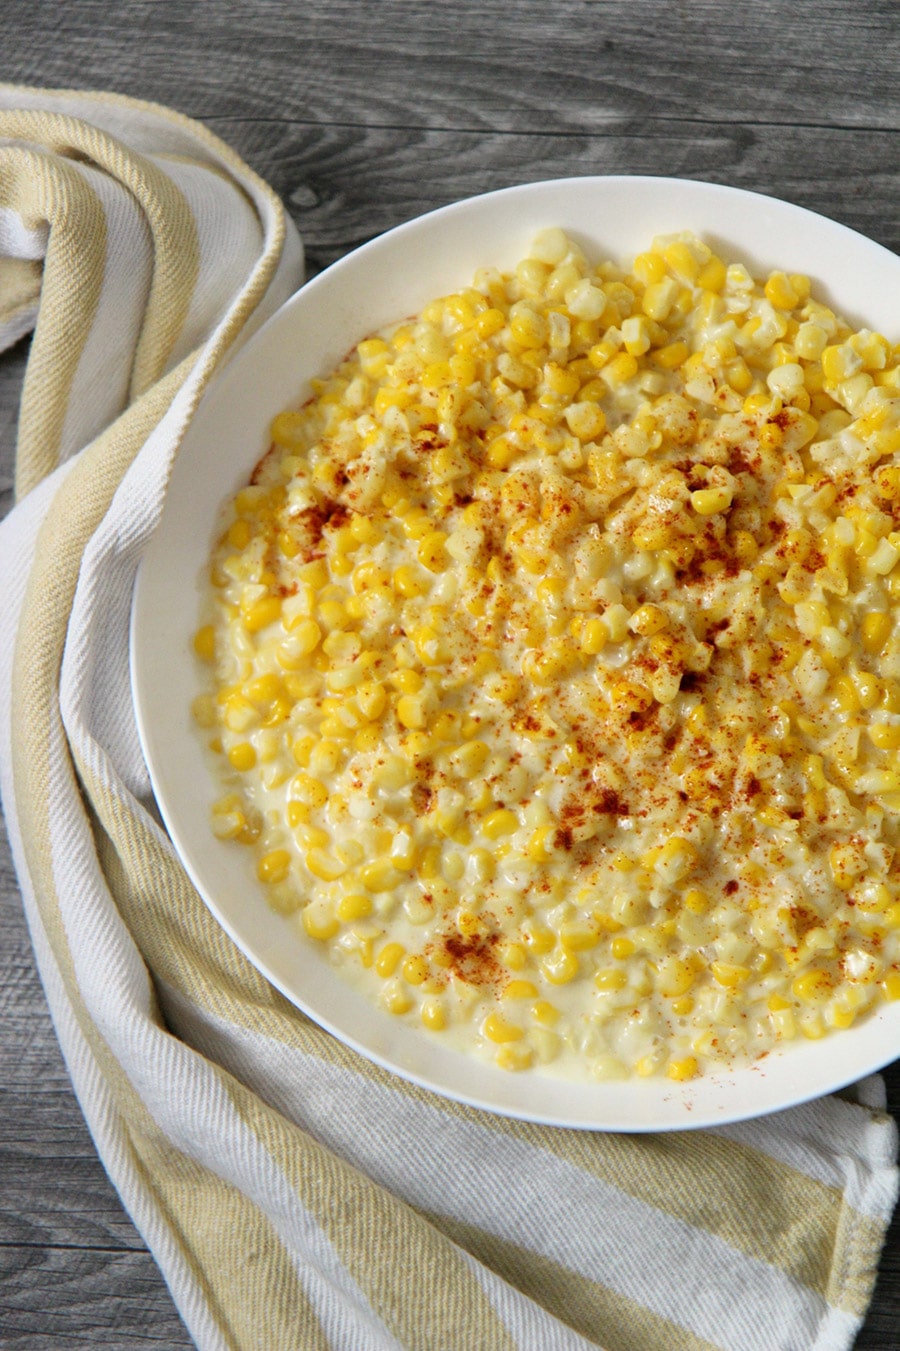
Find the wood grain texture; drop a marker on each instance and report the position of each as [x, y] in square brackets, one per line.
[362, 114]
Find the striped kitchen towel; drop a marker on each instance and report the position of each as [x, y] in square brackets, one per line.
[295, 1195]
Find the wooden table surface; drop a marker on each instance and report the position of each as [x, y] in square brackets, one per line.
[361, 114]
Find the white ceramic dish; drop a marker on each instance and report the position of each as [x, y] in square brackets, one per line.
[388, 279]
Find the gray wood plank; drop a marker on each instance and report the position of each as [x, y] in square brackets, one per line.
[566, 67]
[345, 184]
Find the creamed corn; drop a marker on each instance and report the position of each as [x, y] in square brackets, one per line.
[554, 668]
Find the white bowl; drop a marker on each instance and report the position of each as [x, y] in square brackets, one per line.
[384, 281]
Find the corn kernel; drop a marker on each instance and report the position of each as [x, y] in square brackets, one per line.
[389, 959]
[262, 613]
[242, 757]
[324, 865]
[205, 643]
[434, 1015]
[499, 823]
[514, 1057]
[318, 922]
[621, 948]
[274, 866]
[520, 989]
[500, 1030]
[353, 907]
[380, 875]
[683, 1069]
[709, 501]
[812, 986]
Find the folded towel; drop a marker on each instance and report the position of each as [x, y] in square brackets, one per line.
[293, 1194]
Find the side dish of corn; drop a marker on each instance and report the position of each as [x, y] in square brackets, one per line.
[552, 665]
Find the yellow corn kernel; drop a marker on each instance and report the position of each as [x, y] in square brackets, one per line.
[847, 863]
[841, 1017]
[297, 814]
[228, 820]
[620, 370]
[379, 875]
[621, 948]
[540, 845]
[274, 866]
[812, 986]
[319, 922]
[470, 759]
[577, 936]
[659, 298]
[712, 275]
[601, 354]
[305, 636]
[636, 335]
[514, 1057]
[538, 938]
[263, 689]
[414, 969]
[683, 1069]
[649, 267]
[396, 1000]
[288, 430]
[647, 1065]
[434, 1016]
[205, 643]
[674, 859]
[498, 1029]
[611, 978]
[594, 636]
[839, 363]
[411, 712]
[371, 699]
[239, 534]
[709, 501]
[868, 688]
[408, 582]
[696, 901]
[545, 1013]
[262, 613]
[242, 756]
[560, 967]
[647, 620]
[390, 397]
[389, 959]
[675, 976]
[729, 974]
[885, 735]
[671, 356]
[324, 865]
[514, 955]
[501, 452]
[845, 695]
[520, 989]
[416, 524]
[890, 986]
[354, 906]
[682, 260]
[432, 553]
[780, 292]
[586, 420]
[498, 823]
[489, 322]
[875, 630]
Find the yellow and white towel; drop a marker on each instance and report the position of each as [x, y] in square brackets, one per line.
[294, 1195]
